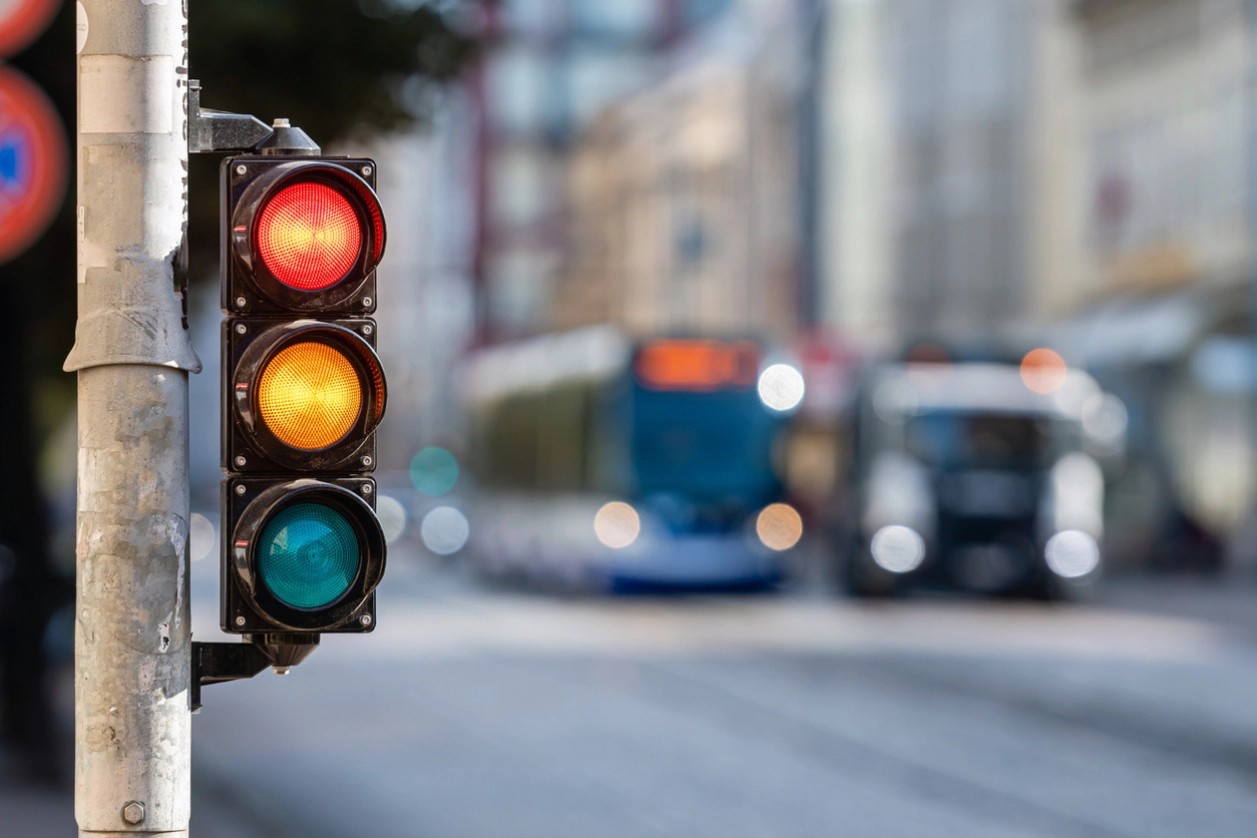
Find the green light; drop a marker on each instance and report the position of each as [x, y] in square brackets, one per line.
[434, 471]
[308, 556]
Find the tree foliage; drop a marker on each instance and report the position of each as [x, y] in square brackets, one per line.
[335, 68]
[331, 66]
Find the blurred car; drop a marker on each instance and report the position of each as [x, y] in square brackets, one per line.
[974, 476]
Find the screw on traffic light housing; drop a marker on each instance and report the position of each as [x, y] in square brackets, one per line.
[303, 392]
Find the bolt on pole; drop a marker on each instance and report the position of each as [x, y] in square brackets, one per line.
[132, 729]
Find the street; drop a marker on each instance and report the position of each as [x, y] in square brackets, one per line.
[481, 712]
[797, 305]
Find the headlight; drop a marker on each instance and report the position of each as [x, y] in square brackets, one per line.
[1072, 554]
[617, 524]
[897, 548]
[781, 387]
[779, 526]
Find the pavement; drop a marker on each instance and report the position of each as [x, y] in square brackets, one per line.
[221, 808]
[34, 810]
[33, 805]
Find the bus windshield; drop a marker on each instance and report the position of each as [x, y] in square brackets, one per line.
[711, 446]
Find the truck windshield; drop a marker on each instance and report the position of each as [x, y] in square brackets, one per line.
[954, 439]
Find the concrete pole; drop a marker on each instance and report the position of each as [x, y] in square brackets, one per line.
[132, 645]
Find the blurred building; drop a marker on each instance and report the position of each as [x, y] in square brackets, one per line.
[1014, 171]
[548, 68]
[945, 167]
[1163, 297]
[862, 173]
[425, 291]
[685, 202]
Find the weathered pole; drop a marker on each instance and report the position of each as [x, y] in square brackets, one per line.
[132, 726]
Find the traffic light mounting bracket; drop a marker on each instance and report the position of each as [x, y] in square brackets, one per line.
[220, 132]
[211, 131]
[218, 663]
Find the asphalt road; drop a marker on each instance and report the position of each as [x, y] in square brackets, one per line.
[475, 712]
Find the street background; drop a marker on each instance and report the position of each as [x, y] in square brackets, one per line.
[844, 182]
[488, 713]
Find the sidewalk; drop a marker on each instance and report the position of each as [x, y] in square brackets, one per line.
[34, 811]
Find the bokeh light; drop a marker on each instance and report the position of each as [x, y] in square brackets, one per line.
[444, 530]
[1077, 484]
[434, 471]
[1072, 554]
[779, 526]
[781, 387]
[617, 525]
[202, 537]
[392, 517]
[1105, 419]
[1043, 370]
[897, 548]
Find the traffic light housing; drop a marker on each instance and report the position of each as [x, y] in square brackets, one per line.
[303, 392]
[305, 395]
[302, 235]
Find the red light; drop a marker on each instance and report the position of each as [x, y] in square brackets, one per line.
[309, 236]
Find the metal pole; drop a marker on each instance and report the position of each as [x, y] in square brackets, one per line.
[132, 727]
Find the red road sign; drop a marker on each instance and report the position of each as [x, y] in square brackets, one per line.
[21, 21]
[32, 162]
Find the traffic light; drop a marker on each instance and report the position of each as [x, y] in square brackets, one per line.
[303, 393]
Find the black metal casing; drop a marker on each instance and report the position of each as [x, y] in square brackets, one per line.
[264, 475]
[245, 289]
[247, 446]
[247, 607]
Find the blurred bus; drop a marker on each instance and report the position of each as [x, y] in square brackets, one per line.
[977, 476]
[611, 464]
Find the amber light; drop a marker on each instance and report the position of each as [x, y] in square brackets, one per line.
[697, 364]
[309, 395]
[309, 236]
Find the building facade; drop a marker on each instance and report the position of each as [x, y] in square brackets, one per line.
[548, 68]
[944, 132]
[685, 198]
[1167, 201]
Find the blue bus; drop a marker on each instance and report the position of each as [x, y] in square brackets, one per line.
[606, 463]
